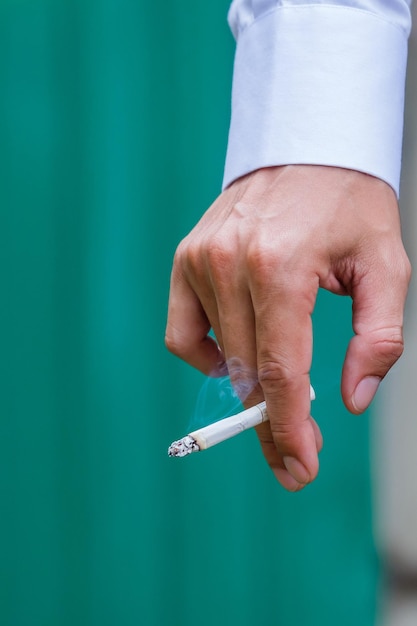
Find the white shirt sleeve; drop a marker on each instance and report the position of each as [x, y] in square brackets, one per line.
[318, 82]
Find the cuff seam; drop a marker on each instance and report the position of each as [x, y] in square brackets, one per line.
[304, 7]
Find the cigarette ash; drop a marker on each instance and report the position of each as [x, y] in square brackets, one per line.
[183, 446]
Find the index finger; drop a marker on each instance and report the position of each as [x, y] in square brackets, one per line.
[284, 341]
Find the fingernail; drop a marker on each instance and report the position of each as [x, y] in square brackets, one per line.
[296, 469]
[365, 392]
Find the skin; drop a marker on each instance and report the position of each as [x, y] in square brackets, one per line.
[251, 269]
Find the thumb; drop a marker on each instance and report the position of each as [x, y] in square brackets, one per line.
[378, 307]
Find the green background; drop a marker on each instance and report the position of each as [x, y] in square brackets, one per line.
[113, 130]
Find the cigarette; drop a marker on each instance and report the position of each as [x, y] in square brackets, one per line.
[223, 429]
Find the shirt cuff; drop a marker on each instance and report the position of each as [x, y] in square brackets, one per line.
[319, 85]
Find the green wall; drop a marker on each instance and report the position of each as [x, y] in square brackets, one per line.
[113, 128]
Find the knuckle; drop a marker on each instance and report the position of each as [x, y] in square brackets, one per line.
[172, 344]
[397, 266]
[190, 254]
[285, 433]
[279, 266]
[219, 253]
[176, 342]
[389, 348]
[262, 261]
[180, 252]
[273, 373]
[221, 261]
[180, 263]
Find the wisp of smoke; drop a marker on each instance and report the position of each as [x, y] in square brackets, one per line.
[219, 398]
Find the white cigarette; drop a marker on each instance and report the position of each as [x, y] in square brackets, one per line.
[223, 429]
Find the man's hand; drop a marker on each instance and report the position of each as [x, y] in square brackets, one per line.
[251, 269]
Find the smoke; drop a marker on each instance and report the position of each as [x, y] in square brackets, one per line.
[219, 397]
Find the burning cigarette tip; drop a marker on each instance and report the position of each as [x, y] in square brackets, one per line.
[183, 446]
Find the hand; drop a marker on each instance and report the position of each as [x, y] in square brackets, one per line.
[251, 269]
